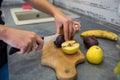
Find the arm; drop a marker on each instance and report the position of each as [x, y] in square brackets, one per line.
[21, 39]
[43, 5]
[62, 21]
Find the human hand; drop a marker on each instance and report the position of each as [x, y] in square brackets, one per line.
[67, 25]
[62, 21]
[26, 41]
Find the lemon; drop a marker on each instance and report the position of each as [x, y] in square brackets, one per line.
[94, 55]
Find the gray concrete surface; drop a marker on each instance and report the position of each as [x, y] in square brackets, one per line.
[103, 10]
[28, 67]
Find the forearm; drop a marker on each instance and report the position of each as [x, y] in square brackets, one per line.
[44, 5]
[3, 30]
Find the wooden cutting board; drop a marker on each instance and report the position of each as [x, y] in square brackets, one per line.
[63, 64]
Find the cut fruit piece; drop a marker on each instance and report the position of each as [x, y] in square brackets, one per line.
[70, 47]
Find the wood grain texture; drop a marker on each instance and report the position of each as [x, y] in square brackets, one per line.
[63, 64]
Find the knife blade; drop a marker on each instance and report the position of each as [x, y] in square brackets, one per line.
[46, 39]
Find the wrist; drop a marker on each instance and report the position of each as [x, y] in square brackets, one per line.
[3, 30]
[57, 12]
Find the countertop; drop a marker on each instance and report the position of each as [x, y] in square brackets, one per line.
[28, 66]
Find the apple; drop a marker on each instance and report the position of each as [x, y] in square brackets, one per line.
[70, 47]
[95, 54]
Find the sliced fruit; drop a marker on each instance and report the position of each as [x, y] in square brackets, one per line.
[70, 47]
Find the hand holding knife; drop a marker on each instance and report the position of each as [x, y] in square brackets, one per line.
[14, 50]
[46, 40]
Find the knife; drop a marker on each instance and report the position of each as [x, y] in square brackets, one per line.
[46, 39]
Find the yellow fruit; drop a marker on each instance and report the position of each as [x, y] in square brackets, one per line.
[95, 55]
[117, 68]
[70, 47]
[100, 34]
[118, 46]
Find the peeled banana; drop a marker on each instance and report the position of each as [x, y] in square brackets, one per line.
[100, 33]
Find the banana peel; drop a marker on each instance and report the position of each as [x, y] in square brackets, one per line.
[117, 69]
[100, 34]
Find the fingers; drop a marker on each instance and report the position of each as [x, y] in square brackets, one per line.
[58, 28]
[66, 31]
[70, 28]
[77, 26]
[39, 43]
[33, 45]
[27, 48]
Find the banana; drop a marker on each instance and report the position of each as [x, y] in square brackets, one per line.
[100, 34]
[117, 68]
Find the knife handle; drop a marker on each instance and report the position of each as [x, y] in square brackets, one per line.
[13, 50]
